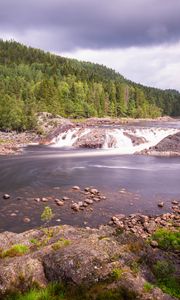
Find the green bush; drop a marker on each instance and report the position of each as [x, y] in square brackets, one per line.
[167, 239]
[15, 250]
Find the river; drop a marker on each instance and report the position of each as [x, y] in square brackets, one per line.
[131, 183]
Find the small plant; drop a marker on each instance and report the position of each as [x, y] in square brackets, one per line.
[166, 279]
[61, 243]
[46, 217]
[135, 267]
[167, 239]
[148, 287]
[117, 273]
[15, 250]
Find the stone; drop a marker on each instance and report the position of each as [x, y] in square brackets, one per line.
[96, 199]
[44, 199]
[94, 191]
[87, 189]
[37, 199]
[175, 202]
[6, 196]
[65, 198]
[26, 220]
[13, 215]
[161, 204]
[88, 201]
[59, 202]
[154, 244]
[75, 207]
[102, 197]
[76, 188]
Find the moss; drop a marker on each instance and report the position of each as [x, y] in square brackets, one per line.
[167, 239]
[148, 287]
[61, 243]
[56, 291]
[117, 273]
[166, 278]
[15, 250]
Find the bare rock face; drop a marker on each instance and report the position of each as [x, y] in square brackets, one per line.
[80, 257]
[94, 139]
[169, 146]
[21, 273]
[135, 139]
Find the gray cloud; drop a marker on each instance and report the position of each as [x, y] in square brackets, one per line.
[66, 25]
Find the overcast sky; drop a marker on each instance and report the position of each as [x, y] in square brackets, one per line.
[138, 38]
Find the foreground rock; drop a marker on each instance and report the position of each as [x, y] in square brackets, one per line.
[169, 146]
[12, 142]
[80, 257]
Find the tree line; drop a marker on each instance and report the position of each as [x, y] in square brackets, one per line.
[32, 81]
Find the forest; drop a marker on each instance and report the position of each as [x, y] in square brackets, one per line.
[32, 80]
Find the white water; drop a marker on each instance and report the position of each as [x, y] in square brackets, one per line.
[121, 144]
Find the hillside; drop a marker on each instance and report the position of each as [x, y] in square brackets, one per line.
[32, 81]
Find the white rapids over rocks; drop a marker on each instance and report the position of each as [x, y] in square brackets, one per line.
[116, 140]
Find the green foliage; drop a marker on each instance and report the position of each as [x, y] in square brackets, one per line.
[52, 292]
[167, 239]
[166, 278]
[117, 273]
[47, 214]
[56, 291]
[15, 250]
[61, 243]
[32, 81]
[148, 287]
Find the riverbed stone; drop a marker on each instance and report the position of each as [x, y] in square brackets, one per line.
[76, 188]
[6, 196]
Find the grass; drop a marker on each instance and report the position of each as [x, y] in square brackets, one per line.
[166, 279]
[55, 291]
[52, 292]
[148, 287]
[61, 243]
[15, 250]
[167, 239]
[117, 273]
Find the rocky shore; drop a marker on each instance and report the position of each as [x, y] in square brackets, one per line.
[169, 146]
[104, 259]
[12, 142]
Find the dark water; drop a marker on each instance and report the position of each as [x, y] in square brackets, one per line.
[41, 171]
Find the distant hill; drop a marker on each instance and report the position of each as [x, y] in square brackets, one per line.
[32, 81]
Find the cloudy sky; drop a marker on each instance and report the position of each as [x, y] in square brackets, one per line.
[138, 38]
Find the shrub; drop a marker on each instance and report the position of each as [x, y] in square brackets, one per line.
[15, 250]
[167, 239]
[61, 243]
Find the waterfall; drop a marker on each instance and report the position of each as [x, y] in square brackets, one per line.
[123, 140]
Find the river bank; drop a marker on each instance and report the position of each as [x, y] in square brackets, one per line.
[86, 263]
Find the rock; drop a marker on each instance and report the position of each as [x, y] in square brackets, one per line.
[96, 199]
[87, 189]
[13, 215]
[76, 188]
[44, 199]
[154, 244]
[26, 220]
[161, 204]
[94, 191]
[150, 226]
[59, 202]
[75, 207]
[120, 216]
[37, 199]
[6, 196]
[65, 198]
[102, 197]
[175, 202]
[88, 201]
